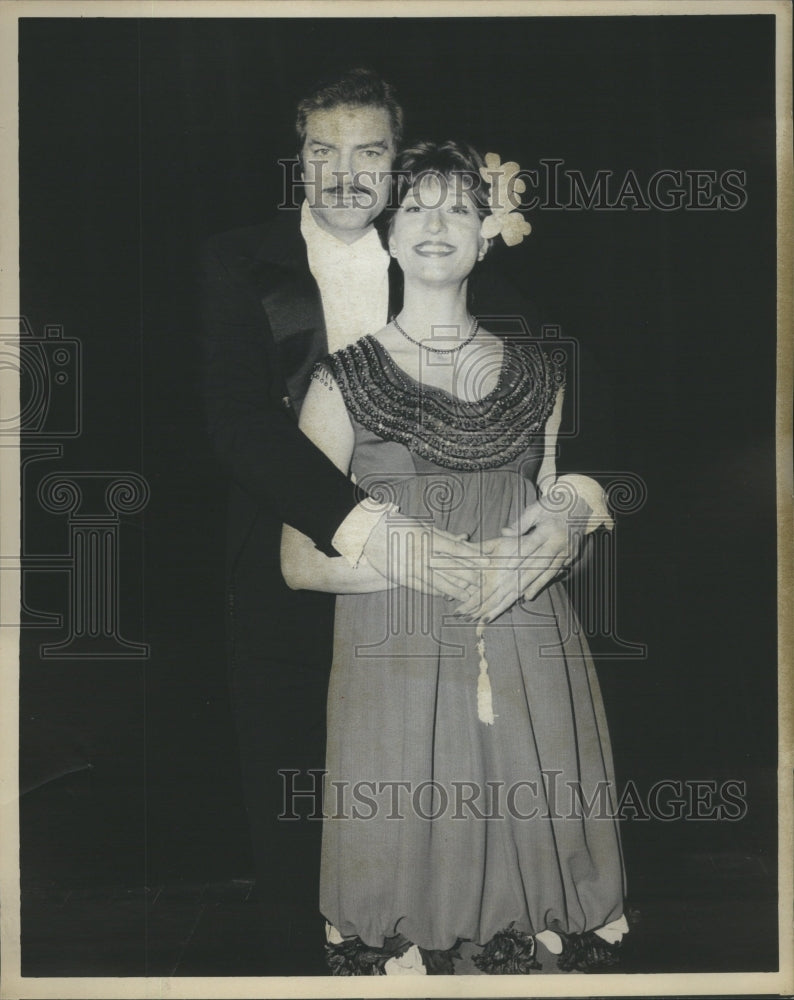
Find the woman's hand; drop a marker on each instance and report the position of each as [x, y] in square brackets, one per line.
[531, 554]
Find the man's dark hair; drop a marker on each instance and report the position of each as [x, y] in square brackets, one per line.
[359, 88]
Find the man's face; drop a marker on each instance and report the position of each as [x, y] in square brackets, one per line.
[346, 158]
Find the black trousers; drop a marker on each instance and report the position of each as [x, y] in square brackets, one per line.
[279, 663]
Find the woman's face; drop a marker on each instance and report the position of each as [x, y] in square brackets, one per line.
[435, 235]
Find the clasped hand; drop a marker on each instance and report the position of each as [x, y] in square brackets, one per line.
[486, 578]
[529, 555]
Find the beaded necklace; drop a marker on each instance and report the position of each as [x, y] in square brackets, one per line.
[438, 350]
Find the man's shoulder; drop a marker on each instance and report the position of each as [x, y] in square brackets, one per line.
[270, 240]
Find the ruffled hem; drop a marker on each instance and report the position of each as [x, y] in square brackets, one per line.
[510, 952]
[587, 952]
[398, 956]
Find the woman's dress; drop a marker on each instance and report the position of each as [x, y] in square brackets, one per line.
[440, 826]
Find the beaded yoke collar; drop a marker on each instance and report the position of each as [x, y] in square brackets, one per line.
[448, 431]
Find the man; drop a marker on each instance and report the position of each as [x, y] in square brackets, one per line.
[276, 299]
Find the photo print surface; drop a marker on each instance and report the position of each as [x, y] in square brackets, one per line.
[544, 707]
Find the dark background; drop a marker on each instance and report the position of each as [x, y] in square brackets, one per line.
[139, 138]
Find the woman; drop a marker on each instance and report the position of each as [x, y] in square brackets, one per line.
[452, 743]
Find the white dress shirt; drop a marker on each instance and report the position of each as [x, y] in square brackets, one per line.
[353, 280]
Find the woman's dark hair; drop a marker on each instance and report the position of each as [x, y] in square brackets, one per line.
[454, 161]
[358, 88]
[451, 160]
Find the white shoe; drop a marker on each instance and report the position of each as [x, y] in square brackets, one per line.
[332, 935]
[409, 964]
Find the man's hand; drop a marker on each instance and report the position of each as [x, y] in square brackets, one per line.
[531, 553]
[413, 554]
[553, 543]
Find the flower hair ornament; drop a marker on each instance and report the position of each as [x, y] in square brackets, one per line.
[503, 201]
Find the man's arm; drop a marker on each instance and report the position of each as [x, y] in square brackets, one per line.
[325, 420]
[254, 434]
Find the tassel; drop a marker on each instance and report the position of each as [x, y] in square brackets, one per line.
[484, 696]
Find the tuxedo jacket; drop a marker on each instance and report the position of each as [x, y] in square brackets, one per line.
[263, 332]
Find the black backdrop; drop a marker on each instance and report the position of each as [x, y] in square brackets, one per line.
[141, 137]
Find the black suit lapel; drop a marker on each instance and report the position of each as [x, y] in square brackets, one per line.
[286, 287]
[291, 300]
[292, 303]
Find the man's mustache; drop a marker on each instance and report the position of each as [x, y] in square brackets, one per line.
[349, 196]
[341, 191]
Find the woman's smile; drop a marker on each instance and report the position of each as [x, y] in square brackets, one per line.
[434, 248]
